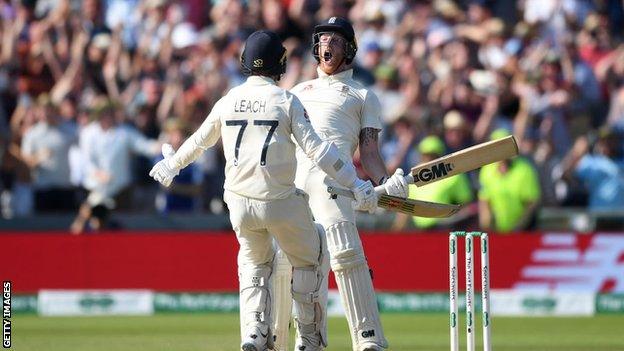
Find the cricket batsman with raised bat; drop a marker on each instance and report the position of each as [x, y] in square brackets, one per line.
[258, 122]
[343, 112]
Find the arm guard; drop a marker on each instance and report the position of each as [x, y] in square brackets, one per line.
[329, 160]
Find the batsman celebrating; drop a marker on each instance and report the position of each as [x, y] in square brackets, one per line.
[256, 121]
[345, 113]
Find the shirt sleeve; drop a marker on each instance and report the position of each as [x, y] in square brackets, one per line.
[206, 136]
[371, 112]
[302, 130]
[142, 145]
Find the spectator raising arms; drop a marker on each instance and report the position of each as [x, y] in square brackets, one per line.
[550, 71]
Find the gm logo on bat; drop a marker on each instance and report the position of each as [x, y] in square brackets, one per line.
[436, 171]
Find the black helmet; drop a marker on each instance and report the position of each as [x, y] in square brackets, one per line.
[264, 54]
[338, 25]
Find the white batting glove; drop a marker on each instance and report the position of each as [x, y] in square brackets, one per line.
[396, 185]
[365, 196]
[162, 171]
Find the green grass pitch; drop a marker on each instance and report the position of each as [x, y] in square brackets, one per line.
[219, 332]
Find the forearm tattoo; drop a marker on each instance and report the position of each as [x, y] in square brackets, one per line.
[368, 136]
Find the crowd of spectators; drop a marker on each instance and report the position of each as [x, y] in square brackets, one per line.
[90, 89]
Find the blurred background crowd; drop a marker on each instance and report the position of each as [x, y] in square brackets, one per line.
[89, 90]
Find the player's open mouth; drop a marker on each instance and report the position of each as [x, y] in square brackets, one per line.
[327, 56]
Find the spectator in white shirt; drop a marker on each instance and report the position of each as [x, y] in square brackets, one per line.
[109, 148]
[45, 149]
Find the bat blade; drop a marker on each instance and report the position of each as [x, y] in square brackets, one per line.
[417, 207]
[408, 206]
[464, 160]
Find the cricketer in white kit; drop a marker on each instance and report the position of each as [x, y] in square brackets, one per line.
[345, 113]
[258, 122]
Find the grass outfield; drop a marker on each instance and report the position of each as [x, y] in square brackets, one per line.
[219, 332]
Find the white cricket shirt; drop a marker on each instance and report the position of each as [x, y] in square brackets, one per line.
[339, 107]
[256, 121]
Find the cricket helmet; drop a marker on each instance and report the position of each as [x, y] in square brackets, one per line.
[264, 54]
[335, 25]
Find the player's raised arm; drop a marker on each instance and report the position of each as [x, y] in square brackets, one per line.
[206, 136]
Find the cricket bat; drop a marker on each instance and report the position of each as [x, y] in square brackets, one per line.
[463, 161]
[443, 167]
[408, 206]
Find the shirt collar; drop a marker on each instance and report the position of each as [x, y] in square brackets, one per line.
[260, 80]
[347, 74]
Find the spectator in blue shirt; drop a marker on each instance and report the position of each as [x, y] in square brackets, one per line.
[602, 172]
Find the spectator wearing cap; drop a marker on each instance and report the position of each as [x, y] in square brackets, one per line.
[509, 194]
[456, 131]
[182, 195]
[45, 148]
[452, 190]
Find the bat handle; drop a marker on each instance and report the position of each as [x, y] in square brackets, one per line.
[380, 190]
[340, 191]
[409, 178]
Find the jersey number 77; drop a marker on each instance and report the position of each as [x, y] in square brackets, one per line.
[242, 123]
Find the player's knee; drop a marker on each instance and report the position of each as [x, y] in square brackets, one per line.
[305, 284]
[344, 246]
[324, 253]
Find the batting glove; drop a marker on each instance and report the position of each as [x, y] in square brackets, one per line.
[162, 171]
[396, 185]
[365, 196]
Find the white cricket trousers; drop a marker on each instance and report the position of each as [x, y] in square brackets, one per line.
[256, 223]
[289, 220]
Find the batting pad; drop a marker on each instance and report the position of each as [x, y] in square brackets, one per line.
[255, 301]
[309, 291]
[282, 300]
[355, 285]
